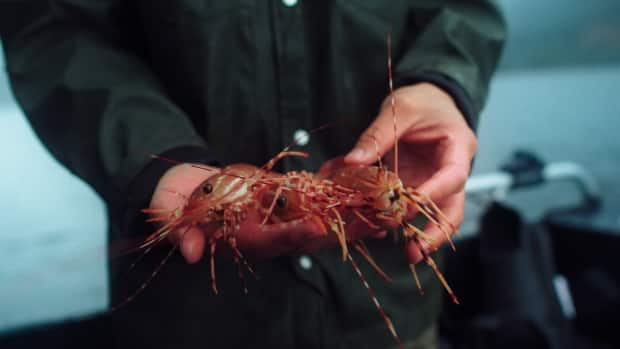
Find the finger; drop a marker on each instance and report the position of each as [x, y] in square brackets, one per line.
[376, 140]
[192, 244]
[381, 234]
[329, 165]
[282, 238]
[453, 208]
[455, 165]
[360, 230]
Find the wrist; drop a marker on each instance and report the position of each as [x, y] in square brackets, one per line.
[448, 85]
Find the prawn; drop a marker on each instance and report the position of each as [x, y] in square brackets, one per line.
[220, 204]
[224, 201]
[382, 201]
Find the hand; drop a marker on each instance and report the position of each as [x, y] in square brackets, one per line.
[436, 147]
[253, 239]
[171, 193]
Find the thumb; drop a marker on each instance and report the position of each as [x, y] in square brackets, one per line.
[378, 138]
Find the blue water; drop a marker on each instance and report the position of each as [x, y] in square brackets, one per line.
[52, 231]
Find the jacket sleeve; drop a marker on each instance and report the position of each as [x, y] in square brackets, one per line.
[95, 104]
[458, 49]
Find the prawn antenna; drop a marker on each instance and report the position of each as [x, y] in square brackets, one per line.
[380, 308]
[392, 101]
[177, 162]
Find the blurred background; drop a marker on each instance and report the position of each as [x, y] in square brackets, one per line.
[555, 95]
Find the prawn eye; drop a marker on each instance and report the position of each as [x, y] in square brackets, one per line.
[394, 196]
[207, 188]
[281, 201]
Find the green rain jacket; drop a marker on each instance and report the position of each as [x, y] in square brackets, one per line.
[104, 83]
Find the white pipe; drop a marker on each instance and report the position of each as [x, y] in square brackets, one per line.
[498, 184]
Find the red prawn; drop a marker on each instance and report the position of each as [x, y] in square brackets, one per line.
[383, 202]
[220, 205]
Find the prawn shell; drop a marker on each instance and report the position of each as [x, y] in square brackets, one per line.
[374, 183]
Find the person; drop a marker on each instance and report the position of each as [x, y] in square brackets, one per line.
[106, 83]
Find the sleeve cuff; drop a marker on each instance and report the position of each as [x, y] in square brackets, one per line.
[456, 91]
[140, 190]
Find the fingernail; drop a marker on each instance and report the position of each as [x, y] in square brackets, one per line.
[356, 154]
